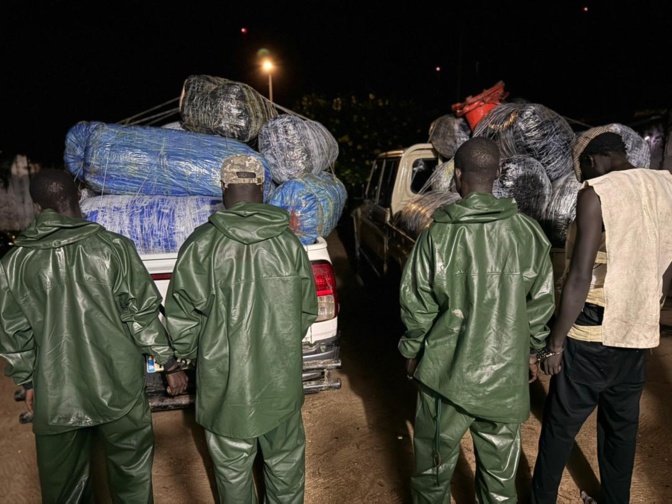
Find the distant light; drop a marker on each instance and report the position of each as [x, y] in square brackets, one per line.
[243, 30]
[585, 9]
[267, 65]
[438, 69]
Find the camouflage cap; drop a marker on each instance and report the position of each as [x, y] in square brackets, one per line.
[242, 169]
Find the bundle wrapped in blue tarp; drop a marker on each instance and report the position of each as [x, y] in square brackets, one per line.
[157, 224]
[295, 147]
[115, 159]
[315, 203]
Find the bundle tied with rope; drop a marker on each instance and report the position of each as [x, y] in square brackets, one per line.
[447, 133]
[114, 159]
[315, 203]
[295, 146]
[533, 130]
[156, 224]
[438, 190]
[524, 179]
[223, 107]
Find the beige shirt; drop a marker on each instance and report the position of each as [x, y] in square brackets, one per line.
[637, 214]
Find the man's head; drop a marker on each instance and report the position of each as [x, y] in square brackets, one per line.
[242, 180]
[476, 165]
[55, 190]
[597, 152]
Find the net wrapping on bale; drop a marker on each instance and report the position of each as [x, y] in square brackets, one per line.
[315, 203]
[531, 129]
[524, 179]
[442, 177]
[417, 214]
[447, 133]
[220, 106]
[637, 148]
[295, 147]
[157, 224]
[561, 208]
[114, 159]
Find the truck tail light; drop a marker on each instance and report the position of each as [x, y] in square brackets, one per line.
[161, 276]
[325, 284]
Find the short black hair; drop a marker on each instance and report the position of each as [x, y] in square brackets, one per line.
[54, 189]
[604, 144]
[478, 159]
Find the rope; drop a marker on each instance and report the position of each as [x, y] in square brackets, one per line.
[148, 110]
[157, 117]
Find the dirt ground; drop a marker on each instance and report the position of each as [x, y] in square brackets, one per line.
[359, 437]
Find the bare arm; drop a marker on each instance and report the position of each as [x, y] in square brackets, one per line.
[577, 284]
[667, 280]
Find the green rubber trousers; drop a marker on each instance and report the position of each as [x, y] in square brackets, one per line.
[284, 453]
[64, 460]
[438, 430]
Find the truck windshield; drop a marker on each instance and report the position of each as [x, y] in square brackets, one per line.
[422, 170]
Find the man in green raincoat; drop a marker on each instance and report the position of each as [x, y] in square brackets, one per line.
[476, 295]
[78, 310]
[240, 301]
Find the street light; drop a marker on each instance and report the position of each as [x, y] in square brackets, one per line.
[267, 65]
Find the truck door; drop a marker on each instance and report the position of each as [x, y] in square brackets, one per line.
[375, 213]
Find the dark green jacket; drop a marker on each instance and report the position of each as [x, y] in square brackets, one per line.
[77, 311]
[241, 299]
[476, 294]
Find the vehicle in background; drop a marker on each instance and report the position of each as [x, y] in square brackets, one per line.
[381, 245]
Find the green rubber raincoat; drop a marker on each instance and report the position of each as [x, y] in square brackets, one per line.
[476, 294]
[241, 299]
[78, 310]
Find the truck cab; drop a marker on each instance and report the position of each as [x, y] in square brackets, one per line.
[396, 177]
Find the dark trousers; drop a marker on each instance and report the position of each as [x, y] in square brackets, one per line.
[64, 460]
[284, 453]
[439, 428]
[593, 375]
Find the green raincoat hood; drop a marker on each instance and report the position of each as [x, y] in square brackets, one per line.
[52, 230]
[251, 222]
[477, 207]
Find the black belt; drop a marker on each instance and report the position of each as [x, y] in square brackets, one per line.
[591, 315]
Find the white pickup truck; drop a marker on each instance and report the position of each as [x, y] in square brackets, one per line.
[320, 344]
[381, 244]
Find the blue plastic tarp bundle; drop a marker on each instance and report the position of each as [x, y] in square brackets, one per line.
[315, 204]
[157, 224]
[115, 159]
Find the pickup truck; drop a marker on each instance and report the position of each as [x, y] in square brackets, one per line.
[320, 344]
[381, 244]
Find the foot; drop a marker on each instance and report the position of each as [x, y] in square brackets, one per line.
[587, 499]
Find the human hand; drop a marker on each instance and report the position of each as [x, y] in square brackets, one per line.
[177, 381]
[552, 365]
[534, 368]
[411, 364]
[30, 400]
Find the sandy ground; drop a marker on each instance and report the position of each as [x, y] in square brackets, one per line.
[359, 437]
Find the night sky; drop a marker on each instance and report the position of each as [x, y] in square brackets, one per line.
[66, 61]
